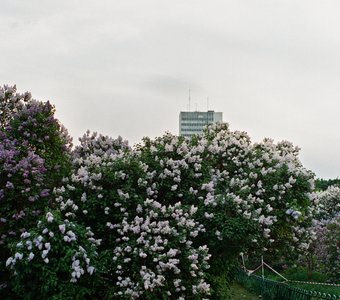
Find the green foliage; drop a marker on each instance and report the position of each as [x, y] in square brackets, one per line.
[303, 274]
[323, 184]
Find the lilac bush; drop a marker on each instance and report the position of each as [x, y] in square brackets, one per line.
[329, 203]
[34, 157]
[148, 248]
[171, 214]
[250, 197]
[326, 247]
[254, 197]
[49, 259]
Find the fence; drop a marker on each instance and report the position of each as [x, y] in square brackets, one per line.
[274, 290]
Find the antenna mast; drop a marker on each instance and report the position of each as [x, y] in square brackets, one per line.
[189, 98]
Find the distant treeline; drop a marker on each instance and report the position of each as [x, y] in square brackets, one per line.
[323, 184]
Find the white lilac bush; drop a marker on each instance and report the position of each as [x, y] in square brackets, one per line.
[248, 197]
[329, 203]
[326, 247]
[232, 180]
[54, 260]
[148, 247]
[159, 244]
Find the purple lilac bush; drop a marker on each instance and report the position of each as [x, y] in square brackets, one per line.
[34, 157]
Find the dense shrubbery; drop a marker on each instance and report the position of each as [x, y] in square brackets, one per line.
[34, 157]
[171, 214]
[326, 247]
[323, 184]
[54, 260]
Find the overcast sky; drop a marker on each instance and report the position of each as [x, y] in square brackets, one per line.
[125, 67]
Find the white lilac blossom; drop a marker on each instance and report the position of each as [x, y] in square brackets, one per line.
[62, 228]
[49, 217]
[45, 248]
[167, 194]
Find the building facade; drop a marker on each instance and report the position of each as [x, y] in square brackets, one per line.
[193, 122]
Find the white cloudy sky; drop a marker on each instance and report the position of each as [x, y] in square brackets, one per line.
[124, 67]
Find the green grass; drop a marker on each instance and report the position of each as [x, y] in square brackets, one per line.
[333, 290]
[240, 293]
[301, 274]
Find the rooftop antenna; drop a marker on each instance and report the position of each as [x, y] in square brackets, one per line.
[207, 103]
[189, 98]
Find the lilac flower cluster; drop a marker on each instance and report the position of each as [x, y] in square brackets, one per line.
[58, 243]
[22, 177]
[10, 103]
[35, 126]
[97, 144]
[161, 239]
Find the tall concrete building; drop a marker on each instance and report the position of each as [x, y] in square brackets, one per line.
[193, 122]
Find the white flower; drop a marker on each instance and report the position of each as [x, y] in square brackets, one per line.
[44, 254]
[9, 261]
[18, 255]
[49, 217]
[90, 270]
[83, 197]
[193, 209]
[62, 228]
[25, 235]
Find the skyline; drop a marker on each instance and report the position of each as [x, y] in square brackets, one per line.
[125, 67]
